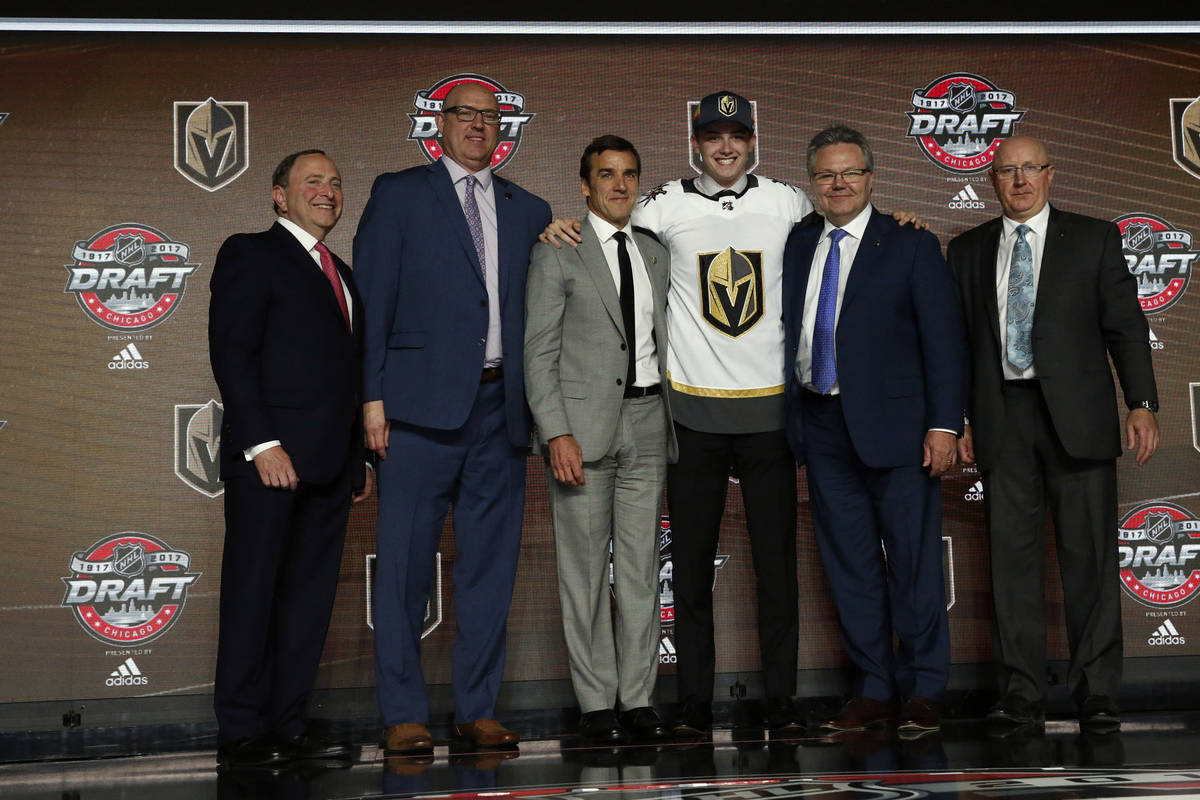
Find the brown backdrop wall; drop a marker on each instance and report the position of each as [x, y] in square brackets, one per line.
[88, 446]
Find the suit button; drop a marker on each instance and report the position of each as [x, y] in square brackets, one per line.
[618, 381]
[483, 303]
[483, 341]
[622, 345]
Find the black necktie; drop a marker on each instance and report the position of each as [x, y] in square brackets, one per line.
[627, 304]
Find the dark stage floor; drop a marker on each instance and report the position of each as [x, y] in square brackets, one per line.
[1153, 755]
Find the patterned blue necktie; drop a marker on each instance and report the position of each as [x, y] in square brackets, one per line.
[1021, 296]
[474, 223]
[824, 362]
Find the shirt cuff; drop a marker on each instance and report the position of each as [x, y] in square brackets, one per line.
[251, 452]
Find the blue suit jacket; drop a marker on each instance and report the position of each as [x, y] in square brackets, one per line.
[426, 303]
[900, 342]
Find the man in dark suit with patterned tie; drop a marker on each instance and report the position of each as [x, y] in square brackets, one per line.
[285, 343]
[1048, 300]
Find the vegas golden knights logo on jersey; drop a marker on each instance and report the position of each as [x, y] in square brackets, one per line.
[731, 288]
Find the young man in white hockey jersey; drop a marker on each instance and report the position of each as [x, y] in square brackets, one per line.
[726, 231]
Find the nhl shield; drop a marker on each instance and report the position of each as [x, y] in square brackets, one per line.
[212, 141]
[1185, 133]
[731, 285]
[198, 447]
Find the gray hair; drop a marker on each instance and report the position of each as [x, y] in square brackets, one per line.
[840, 134]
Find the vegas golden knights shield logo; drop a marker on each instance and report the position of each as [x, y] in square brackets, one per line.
[731, 288]
[198, 446]
[1185, 134]
[727, 105]
[212, 141]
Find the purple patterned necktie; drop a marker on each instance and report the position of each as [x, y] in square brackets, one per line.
[824, 362]
[474, 223]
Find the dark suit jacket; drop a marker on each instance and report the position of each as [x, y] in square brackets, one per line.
[286, 366]
[427, 311]
[1086, 310]
[901, 359]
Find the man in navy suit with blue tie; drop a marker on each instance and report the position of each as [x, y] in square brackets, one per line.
[877, 362]
[440, 256]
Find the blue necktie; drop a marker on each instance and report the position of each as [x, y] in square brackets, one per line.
[1021, 296]
[824, 362]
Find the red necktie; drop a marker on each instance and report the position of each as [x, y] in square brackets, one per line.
[334, 279]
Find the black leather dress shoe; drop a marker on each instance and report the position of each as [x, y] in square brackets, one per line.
[1099, 713]
[601, 727]
[252, 751]
[694, 721]
[310, 745]
[783, 718]
[645, 725]
[1016, 710]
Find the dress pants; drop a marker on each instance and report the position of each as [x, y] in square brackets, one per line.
[620, 504]
[475, 469]
[279, 574]
[1032, 471]
[696, 487]
[879, 531]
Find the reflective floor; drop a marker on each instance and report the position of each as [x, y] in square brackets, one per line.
[1153, 755]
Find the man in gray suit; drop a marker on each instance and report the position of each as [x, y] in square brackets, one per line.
[595, 335]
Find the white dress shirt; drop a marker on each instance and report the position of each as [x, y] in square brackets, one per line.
[646, 355]
[848, 249]
[309, 243]
[1037, 243]
[485, 198]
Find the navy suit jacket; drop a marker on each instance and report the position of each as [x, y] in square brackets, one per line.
[286, 366]
[1086, 311]
[426, 302]
[901, 355]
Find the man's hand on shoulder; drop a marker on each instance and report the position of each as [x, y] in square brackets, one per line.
[275, 469]
[376, 428]
[566, 460]
[1141, 431]
[562, 231]
[909, 218]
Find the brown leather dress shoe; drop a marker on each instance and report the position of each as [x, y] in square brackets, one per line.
[408, 738]
[859, 713]
[486, 733]
[919, 714]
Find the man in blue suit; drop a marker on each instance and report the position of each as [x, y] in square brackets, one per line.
[440, 256]
[876, 347]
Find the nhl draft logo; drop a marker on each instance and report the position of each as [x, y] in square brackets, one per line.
[212, 141]
[129, 277]
[960, 119]
[666, 590]
[128, 589]
[198, 446]
[429, 102]
[731, 288]
[1159, 546]
[727, 106]
[1185, 133]
[1160, 256]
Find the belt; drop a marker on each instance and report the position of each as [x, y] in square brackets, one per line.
[642, 391]
[490, 374]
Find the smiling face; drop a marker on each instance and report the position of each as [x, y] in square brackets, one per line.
[1021, 196]
[840, 201]
[471, 144]
[612, 186]
[724, 149]
[313, 196]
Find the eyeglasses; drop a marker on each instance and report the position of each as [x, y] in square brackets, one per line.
[468, 114]
[1029, 170]
[849, 176]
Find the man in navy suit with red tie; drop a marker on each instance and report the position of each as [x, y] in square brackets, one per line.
[285, 343]
[441, 255]
[877, 369]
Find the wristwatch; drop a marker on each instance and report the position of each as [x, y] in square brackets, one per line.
[1149, 405]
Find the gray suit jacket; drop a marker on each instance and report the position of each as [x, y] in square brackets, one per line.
[574, 341]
